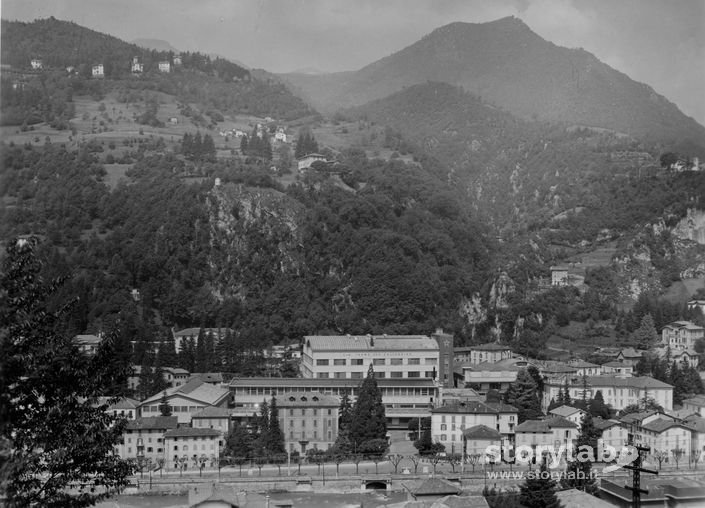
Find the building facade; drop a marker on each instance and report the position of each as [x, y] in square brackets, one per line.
[681, 335]
[308, 420]
[187, 400]
[192, 447]
[143, 438]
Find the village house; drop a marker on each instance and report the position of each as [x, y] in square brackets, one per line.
[553, 431]
[37, 64]
[164, 66]
[280, 135]
[618, 368]
[177, 59]
[572, 414]
[584, 368]
[305, 162]
[478, 438]
[695, 404]
[144, 438]
[487, 376]
[124, 407]
[97, 71]
[175, 376]
[697, 304]
[187, 400]
[137, 67]
[660, 432]
[217, 418]
[618, 392]
[559, 275]
[681, 335]
[490, 352]
[308, 420]
[190, 447]
[697, 427]
[613, 433]
[88, 343]
[449, 421]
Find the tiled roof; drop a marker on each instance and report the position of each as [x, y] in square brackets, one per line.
[558, 422]
[661, 424]
[212, 412]
[465, 407]
[305, 399]
[461, 502]
[208, 377]
[192, 432]
[636, 417]
[616, 363]
[370, 342]
[698, 400]
[153, 423]
[565, 411]
[176, 370]
[501, 407]
[87, 339]
[551, 366]
[195, 389]
[582, 364]
[533, 426]
[623, 382]
[122, 403]
[695, 422]
[575, 498]
[433, 487]
[602, 424]
[481, 432]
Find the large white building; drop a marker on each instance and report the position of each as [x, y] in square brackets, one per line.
[392, 357]
[618, 392]
[187, 400]
[490, 352]
[660, 432]
[404, 398]
[308, 420]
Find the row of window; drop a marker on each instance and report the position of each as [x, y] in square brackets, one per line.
[462, 419]
[175, 409]
[378, 375]
[352, 391]
[376, 361]
[315, 412]
[302, 436]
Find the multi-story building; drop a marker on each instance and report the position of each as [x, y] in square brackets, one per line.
[404, 398]
[620, 368]
[193, 447]
[572, 414]
[124, 407]
[392, 356]
[164, 66]
[448, 422]
[618, 392]
[187, 400]
[613, 433]
[175, 376]
[193, 334]
[660, 432]
[98, 71]
[584, 368]
[308, 420]
[137, 67]
[490, 352]
[487, 376]
[695, 404]
[88, 343]
[143, 438]
[681, 335]
[552, 431]
[217, 418]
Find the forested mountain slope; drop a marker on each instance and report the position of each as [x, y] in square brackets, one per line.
[512, 67]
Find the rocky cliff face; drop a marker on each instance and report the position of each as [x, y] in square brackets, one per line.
[253, 232]
[692, 227]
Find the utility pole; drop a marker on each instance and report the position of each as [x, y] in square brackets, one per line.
[636, 469]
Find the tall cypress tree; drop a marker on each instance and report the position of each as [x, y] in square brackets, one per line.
[523, 395]
[579, 472]
[368, 419]
[275, 443]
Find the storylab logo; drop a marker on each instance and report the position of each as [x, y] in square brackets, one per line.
[556, 456]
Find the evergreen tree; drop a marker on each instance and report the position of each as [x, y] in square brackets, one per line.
[57, 441]
[209, 347]
[239, 441]
[146, 378]
[345, 411]
[208, 148]
[275, 444]
[579, 472]
[522, 395]
[539, 490]
[566, 393]
[261, 436]
[597, 406]
[201, 353]
[368, 419]
[164, 406]
[157, 381]
[645, 336]
[187, 355]
[244, 144]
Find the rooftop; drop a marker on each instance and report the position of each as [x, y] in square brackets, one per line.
[677, 325]
[565, 411]
[212, 412]
[602, 424]
[370, 342]
[195, 389]
[305, 399]
[558, 422]
[490, 346]
[582, 364]
[153, 423]
[698, 400]
[677, 490]
[122, 403]
[432, 487]
[575, 498]
[192, 432]
[477, 432]
[662, 424]
[295, 383]
[87, 340]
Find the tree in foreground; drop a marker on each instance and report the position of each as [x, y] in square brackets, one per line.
[539, 490]
[61, 441]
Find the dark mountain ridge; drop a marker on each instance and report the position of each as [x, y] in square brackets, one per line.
[512, 67]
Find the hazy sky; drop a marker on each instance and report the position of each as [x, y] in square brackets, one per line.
[658, 42]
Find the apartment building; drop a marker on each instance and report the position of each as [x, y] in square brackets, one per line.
[143, 438]
[618, 392]
[490, 352]
[659, 431]
[552, 431]
[192, 447]
[487, 376]
[308, 420]
[613, 433]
